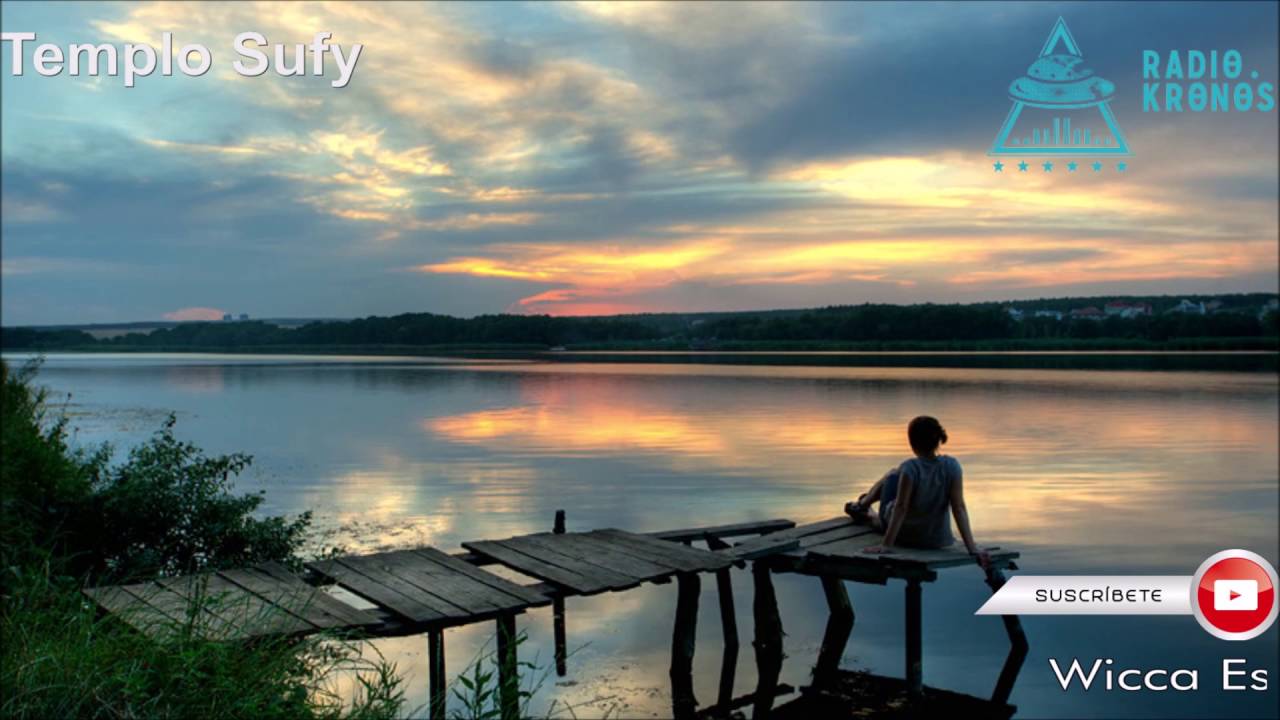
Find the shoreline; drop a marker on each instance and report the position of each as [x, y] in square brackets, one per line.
[1099, 360]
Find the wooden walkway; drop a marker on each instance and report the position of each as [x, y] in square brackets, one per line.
[266, 600]
[424, 590]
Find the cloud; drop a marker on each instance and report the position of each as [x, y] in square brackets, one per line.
[585, 158]
[17, 266]
[194, 313]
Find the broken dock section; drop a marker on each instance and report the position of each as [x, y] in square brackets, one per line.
[425, 591]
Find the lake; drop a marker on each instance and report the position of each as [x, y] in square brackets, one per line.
[1096, 471]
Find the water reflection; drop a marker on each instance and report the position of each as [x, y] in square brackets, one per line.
[1084, 471]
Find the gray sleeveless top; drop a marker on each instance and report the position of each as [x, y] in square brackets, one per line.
[928, 521]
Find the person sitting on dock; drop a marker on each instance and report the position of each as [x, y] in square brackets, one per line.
[915, 496]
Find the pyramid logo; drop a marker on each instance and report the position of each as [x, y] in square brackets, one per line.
[1060, 107]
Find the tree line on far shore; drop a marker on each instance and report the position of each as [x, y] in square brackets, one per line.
[1240, 317]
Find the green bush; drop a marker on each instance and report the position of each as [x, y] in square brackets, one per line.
[70, 519]
[168, 509]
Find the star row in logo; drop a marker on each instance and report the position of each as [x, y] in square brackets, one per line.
[1071, 166]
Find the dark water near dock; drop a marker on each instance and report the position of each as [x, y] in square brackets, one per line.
[1087, 463]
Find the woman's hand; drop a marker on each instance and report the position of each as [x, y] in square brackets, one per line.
[982, 557]
[876, 550]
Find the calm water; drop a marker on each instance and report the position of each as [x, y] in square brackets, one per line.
[1085, 472]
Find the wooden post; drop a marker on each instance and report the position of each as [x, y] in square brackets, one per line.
[508, 669]
[557, 614]
[768, 640]
[436, 678]
[729, 628]
[915, 669]
[683, 639]
[839, 627]
[1017, 641]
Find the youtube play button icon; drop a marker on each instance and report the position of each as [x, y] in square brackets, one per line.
[1234, 595]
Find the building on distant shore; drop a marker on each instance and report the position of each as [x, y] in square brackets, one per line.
[1087, 313]
[226, 317]
[1014, 313]
[1055, 314]
[1186, 306]
[1127, 309]
[244, 316]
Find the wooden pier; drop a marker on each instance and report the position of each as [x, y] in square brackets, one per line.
[424, 591]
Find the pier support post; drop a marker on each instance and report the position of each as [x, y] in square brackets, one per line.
[683, 640]
[915, 669]
[508, 669]
[768, 640]
[1017, 641]
[557, 614]
[436, 678]
[839, 627]
[729, 628]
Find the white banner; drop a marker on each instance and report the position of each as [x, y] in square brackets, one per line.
[1092, 595]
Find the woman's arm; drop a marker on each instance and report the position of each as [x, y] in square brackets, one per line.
[961, 513]
[866, 499]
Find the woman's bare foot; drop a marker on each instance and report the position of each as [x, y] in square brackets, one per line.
[860, 514]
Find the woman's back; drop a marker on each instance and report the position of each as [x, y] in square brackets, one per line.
[928, 520]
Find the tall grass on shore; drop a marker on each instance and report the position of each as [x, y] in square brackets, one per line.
[69, 519]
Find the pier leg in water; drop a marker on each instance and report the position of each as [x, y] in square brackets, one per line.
[1017, 641]
[839, 627]
[557, 614]
[768, 641]
[508, 669]
[915, 662]
[683, 640]
[436, 686]
[729, 627]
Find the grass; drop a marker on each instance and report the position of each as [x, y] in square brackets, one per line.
[69, 521]
[62, 659]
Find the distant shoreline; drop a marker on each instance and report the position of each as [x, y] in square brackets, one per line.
[1209, 345]
[1252, 361]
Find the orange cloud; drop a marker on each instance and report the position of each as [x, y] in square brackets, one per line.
[194, 313]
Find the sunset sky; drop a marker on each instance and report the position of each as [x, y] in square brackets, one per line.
[589, 158]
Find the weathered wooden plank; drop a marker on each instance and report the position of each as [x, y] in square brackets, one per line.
[329, 604]
[299, 598]
[676, 555]
[780, 541]
[246, 613]
[134, 611]
[759, 548]
[671, 555]
[651, 563]
[382, 589]
[525, 594]
[849, 547]
[537, 568]
[898, 558]
[474, 597]
[943, 558]
[200, 618]
[548, 552]
[759, 527]
[686, 558]
[844, 532]
[597, 552]
[392, 570]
